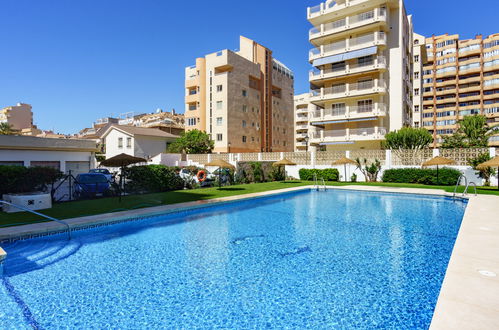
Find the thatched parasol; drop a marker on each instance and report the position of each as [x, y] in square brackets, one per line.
[494, 162]
[283, 162]
[220, 163]
[344, 161]
[437, 161]
[122, 161]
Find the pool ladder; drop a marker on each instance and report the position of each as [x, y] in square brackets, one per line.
[318, 186]
[39, 214]
[468, 184]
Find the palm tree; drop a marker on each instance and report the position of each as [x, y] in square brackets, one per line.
[6, 129]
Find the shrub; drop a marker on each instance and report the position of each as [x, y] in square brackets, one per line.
[153, 178]
[446, 176]
[20, 179]
[370, 171]
[251, 172]
[353, 178]
[328, 174]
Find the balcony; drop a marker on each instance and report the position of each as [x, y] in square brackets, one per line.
[301, 118]
[348, 134]
[301, 144]
[376, 15]
[379, 63]
[302, 111]
[301, 136]
[348, 90]
[346, 45]
[349, 112]
[192, 82]
[301, 128]
[327, 10]
[192, 98]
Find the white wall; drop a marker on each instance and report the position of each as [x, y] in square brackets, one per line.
[168, 160]
[27, 156]
[111, 142]
[149, 146]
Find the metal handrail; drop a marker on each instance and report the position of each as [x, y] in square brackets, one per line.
[323, 184]
[39, 214]
[316, 184]
[467, 186]
[458, 182]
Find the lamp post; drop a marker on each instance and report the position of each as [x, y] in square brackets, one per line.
[306, 148]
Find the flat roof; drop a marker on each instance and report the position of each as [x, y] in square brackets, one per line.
[21, 142]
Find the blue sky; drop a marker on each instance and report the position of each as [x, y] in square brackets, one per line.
[79, 60]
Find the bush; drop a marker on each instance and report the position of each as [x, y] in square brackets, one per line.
[153, 178]
[446, 176]
[253, 172]
[328, 174]
[20, 179]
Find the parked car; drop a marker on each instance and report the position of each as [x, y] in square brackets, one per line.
[188, 176]
[104, 171]
[91, 185]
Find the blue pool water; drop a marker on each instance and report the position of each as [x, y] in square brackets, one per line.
[336, 259]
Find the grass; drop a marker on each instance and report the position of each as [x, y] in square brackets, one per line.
[108, 205]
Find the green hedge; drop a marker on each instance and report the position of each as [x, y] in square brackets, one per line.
[153, 178]
[20, 179]
[446, 176]
[328, 174]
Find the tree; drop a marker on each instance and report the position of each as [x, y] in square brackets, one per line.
[370, 171]
[6, 129]
[192, 142]
[482, 173]
[473, 132]
[408, 139]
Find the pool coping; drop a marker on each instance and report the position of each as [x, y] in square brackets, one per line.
[467, 298]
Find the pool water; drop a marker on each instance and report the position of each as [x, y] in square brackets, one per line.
[335, 259]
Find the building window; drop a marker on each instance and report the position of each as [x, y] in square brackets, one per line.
[120, 142]
[128, 142]
[219, 88]
[416, 108]
[219, 137]
[219, 105]
[244, 123]
[191, 121]
[245, 108]
[192, 107]
[416, 91]
[416, 58]
[245, 93]
[244, 138]
[365, 106]
[219, 121]
[416, 124]
[416, 75]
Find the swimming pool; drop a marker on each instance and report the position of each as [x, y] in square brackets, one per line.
[312, 259]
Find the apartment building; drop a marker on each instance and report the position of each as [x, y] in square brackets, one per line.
[419, 58]
[243, 99]
[362, 76]
[303, 130]
[460, 78]
[18, 116]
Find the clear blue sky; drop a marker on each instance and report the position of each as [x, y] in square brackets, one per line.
[79, 60]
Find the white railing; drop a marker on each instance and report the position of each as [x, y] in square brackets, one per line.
[347, 44]
[335, 133]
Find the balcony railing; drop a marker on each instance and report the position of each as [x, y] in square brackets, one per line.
[349, 134]
[345, 45]
[349, 111]
[376, 62]
[344, 90]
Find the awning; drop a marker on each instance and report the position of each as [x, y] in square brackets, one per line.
[346, 56]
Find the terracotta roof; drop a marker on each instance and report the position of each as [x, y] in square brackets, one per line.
[143, 131]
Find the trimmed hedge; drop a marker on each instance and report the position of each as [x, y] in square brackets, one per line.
[446, 176]
[20, 179]
[328, 174]
[153, 178]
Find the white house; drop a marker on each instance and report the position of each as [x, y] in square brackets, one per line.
[63, 154]
[136, 141]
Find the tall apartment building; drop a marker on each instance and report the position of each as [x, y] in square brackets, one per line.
[18, 116]
[243, 99]
[303, 130]
[419, 58]
[460, 78]
[362, 76]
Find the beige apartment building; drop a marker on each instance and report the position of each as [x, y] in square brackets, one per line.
[18, 116]
[419, 58]
[460, 78]
[362, 76]
[243, 99]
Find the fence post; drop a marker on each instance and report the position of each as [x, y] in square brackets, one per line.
[492, 152]
[259, 156]
[313, 156]
[209, 158]
[281, 156]
[436, 152]
[388, 156]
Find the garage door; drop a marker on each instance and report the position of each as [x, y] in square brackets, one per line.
[55, 164]
[77, 167]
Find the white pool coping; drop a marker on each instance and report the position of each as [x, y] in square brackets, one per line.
[468, 299]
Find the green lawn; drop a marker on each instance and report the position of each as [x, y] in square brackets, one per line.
[108, 205]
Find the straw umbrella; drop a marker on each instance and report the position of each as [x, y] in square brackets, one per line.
[283, 162]
[494, 162]
[220, 163]
[344, 161]
[122, 161]
[437, 161]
